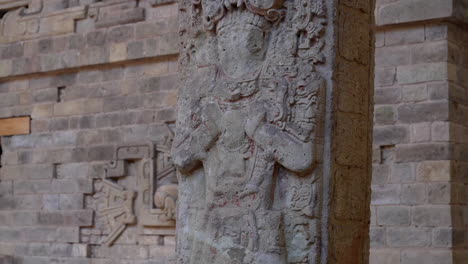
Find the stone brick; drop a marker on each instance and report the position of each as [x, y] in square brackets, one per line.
[136, 50]
[27, 172]
[412, 194]
[385, 76]
[448, 237]
[440, 131]
[78, 107]
[50, 202]
[439, 216]
[386, 195]
[436, 32]
[96, 38]
[66, 218]
[434, 171]
[12, 51]
[430, 52]
[71, 201]
[402, 173]
[427, 256]
[391, 135]
[392, 56]
[118, 52]
[58, 124]
[426, 72]
[408, 237]
[389, 95]
[412, 10]
[380, 174]
[6, 188]
[404, 35]
[90, 76]
[101, 153]
[420, 132]
[423, 112]
[384, 256]
[393, 216]
[423, 152]
[414, 93]
[384, 115]
[439, 193]
[120, 34]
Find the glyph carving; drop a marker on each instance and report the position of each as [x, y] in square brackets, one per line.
[139, 189]
[249, 132]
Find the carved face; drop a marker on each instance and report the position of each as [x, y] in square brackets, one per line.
[241, 49]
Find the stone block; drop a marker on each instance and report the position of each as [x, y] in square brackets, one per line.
[78, 107]
[423, 112]
[71, 201]
[121, 34]
[432, 216]
[439, 193]
[448, 237]
[393, 216]
[423, 152]
[386, 194]
[402, 173]
[420, 132]
[430, 52]
[425, 72]
[395, 56]
[404, 35]
[380, 174]
[390, 95]
[66, 218]
[96, 38]
[391, 135]
[11, 51]
[50, 202]
[384, 256]
[120, 17]
[434, 171]
[413, 10]
[118, 52]
[440, 131]
[436, 31]
[22, 172]
[57, 124]
[384, 115]
[426, 256]
[412, 194]
[45, 95]
[101, 153]
[414, 93]
[408, 237]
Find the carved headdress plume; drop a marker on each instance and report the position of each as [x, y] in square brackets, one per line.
[215, 10]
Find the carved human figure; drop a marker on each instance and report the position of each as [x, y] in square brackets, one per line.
[240, 130]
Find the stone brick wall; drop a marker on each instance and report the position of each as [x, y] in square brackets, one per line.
[419, 203]
[93, 75]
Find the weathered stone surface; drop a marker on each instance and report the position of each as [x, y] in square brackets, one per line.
[250, 132]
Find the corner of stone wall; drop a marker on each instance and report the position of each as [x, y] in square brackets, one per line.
[419, 202]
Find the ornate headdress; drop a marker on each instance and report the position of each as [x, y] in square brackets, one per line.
[215, 10]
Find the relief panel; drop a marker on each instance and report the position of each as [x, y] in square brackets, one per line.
[249, 135]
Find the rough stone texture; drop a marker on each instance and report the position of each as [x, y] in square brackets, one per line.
[98, 79]
[420, 134]
[266, 175]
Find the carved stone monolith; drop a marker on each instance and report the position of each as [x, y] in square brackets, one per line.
[272, 142]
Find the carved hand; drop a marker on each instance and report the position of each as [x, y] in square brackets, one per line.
[256, 118]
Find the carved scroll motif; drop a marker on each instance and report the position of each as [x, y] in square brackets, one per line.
[249, 133]
[146, 201]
